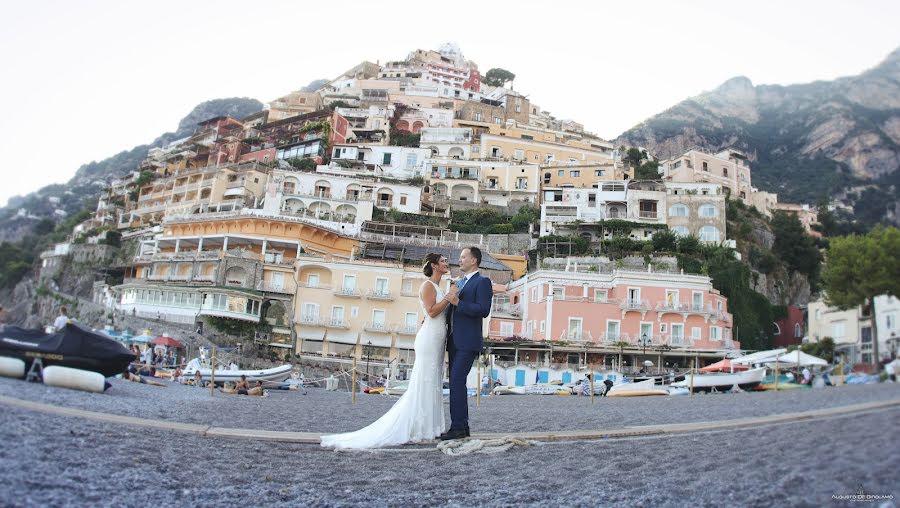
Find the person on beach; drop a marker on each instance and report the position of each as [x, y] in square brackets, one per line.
[609, 384]
[256, 391]
[62, 320]
[198, 378]
[242, 386]
[128, 375]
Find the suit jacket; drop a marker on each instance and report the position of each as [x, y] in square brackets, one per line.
[467, 316]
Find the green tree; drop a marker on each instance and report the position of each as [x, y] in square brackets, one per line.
[665, 241]
[633, 157]
[498, 77]
[647, 171]
[859, 268]
[794, 247]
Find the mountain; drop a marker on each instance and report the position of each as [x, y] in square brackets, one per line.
[826, 140]
[90, 178]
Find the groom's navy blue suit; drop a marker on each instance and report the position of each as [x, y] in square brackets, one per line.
[465, 342]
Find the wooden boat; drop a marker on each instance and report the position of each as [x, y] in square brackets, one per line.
[640, 389]
[746, 380]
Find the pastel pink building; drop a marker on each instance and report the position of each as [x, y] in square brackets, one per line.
[643, 309]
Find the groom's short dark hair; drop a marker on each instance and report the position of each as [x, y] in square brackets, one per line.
[476, 253]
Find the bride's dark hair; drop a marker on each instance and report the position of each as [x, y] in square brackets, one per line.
[429, 259]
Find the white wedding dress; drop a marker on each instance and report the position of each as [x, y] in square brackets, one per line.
[419, 414]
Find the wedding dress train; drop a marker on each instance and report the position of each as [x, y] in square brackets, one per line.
[419, 414]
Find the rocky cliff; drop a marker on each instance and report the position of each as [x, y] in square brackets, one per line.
[808, 142]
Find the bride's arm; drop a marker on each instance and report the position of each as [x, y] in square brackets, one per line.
[429, 300]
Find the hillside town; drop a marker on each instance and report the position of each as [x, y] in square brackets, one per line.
[308, 222]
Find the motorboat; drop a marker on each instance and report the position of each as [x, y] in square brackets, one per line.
[74, 346]
[640, 389]
[230, 373]
[721, 382]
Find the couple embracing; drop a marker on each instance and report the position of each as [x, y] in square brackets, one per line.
[453, 323]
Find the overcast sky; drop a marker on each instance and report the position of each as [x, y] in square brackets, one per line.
[84, 80]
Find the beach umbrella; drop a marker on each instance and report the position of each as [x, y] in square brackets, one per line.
[799, 358]
[725, 365]
[167, 341]
[759, 357]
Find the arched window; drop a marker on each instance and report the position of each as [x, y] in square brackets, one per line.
[709, 234]
[678, 210]
[797, 331]
[681, 231]
[709, 211]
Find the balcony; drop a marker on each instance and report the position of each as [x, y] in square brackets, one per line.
[280, 261]
[384, 203]
[307, 285]
[204, 278]
[336, 323]
[380, 294]
[506, 309]
[310, 320]
[377, 327]
[270, 288]
[637, 305]
[347, 292]
[671, 307]
[208, 309]
[406, 329]
[612, 338]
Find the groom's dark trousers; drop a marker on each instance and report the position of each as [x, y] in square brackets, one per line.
[460, 364]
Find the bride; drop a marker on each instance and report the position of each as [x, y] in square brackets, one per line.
[419, 414]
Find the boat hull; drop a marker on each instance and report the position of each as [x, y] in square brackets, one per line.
[275, 375]
[747, 380]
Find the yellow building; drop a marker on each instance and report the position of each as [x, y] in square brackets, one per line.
[294, 104]
[368, 309]
[190, 191]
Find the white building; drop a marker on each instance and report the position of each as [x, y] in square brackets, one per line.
[455, 143]
[381, 160]
[851, 329]
[688, 209]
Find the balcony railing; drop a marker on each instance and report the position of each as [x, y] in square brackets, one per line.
[310, 320]
[377, 327]
[380, 294]
[406, 329]
[639, 305]
[336, 323]
[270, 288]
[347, 292]
[506, 309]
[647, 214]
[384, 202]
[313, 286]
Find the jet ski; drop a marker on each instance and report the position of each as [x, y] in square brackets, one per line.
[74, 346]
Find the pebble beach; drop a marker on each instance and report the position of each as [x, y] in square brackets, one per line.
[68, 461]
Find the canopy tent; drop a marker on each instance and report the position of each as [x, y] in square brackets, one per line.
[798, 358]
[758, 357]
[141, 338]
[725, 365]
[168, 342]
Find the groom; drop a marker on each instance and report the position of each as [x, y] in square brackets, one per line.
[471, 304]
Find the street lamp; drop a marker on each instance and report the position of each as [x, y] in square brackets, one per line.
[644, 342]
[368, 352]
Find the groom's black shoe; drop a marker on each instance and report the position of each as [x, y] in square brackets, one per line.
[454, 434]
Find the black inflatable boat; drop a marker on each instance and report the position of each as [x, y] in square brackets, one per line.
[74, 346]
